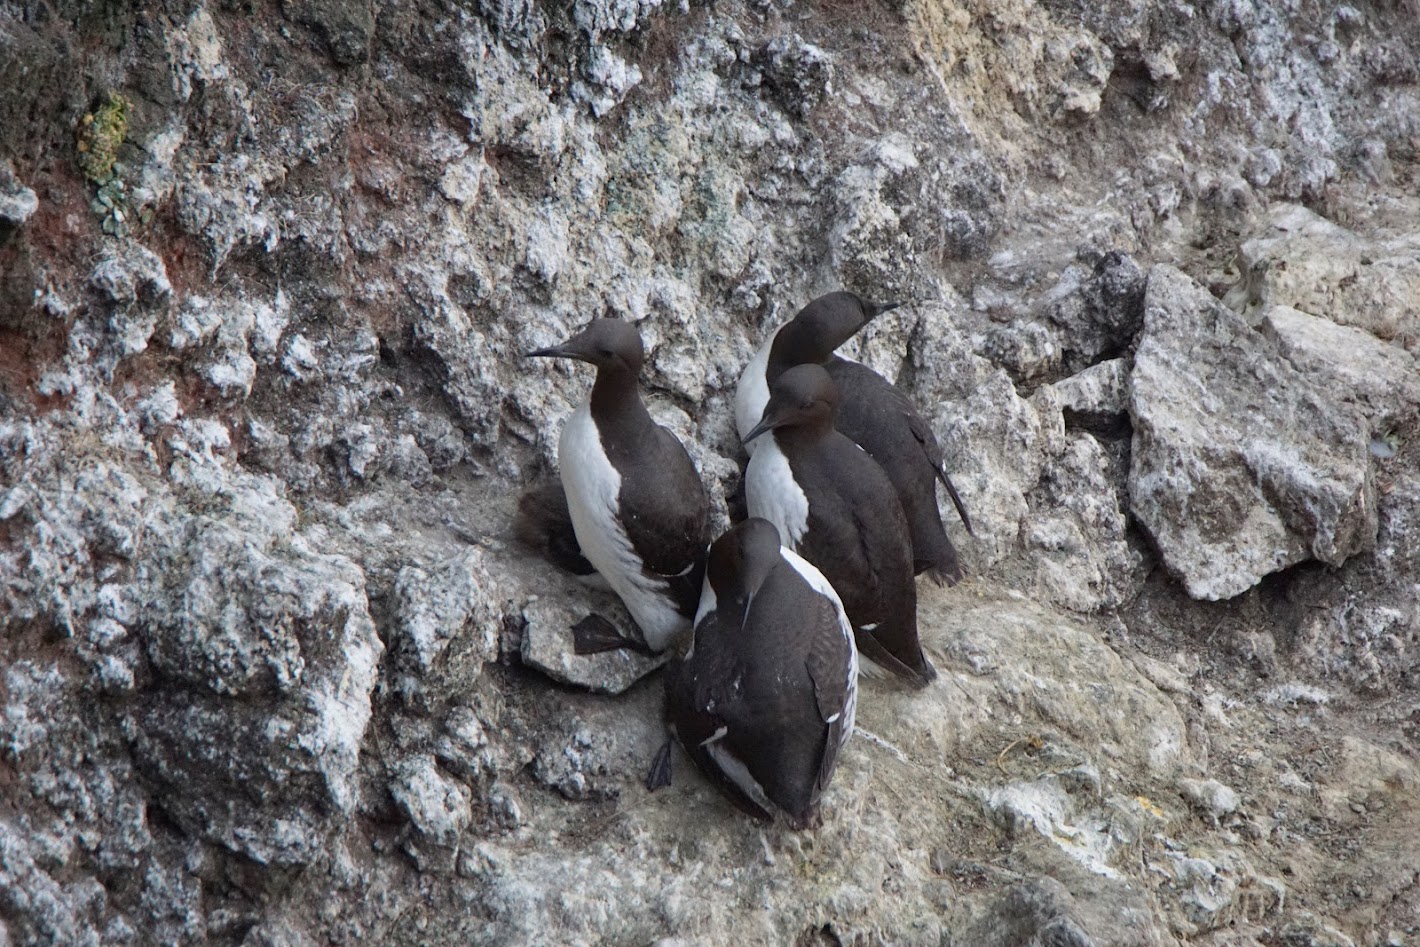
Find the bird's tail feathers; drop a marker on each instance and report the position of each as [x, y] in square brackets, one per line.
[956, 500]
[872, 649]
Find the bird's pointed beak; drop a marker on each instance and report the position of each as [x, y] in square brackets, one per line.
[568, 349]
[768, 422]
[877, 309]
[760, 428]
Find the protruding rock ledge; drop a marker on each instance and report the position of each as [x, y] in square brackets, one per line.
[547, 646]
[1242, 466]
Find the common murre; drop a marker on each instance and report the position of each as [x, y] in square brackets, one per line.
[834, 505]
[763, 700]
[873, 414]
[639, 510]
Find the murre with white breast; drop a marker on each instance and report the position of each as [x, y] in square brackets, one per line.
[873, 414]
[763, 700]
[639, 510]
[836, 507]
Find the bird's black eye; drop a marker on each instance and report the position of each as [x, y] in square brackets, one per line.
[607, 353]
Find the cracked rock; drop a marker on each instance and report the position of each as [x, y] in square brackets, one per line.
[1311, 264]
[1354, 367]
[1241, 466]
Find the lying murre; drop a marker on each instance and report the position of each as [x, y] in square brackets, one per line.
[763, 700]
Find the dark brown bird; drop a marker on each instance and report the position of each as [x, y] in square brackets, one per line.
[872, 413]
[764, 699]
[834, 505]
[639, 510]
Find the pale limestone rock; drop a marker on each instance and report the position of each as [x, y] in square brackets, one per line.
[1100, 391]
[457, 601]
[437, 806]
[1077, 517]
[1306, 262]
[1241, 465]
[547, 646]
[1352, 366]
[1210, 797]
[17, 202]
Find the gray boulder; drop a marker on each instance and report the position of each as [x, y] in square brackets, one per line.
[266, 661]
[1380, 379]
[1307, 262]
[1242, 466]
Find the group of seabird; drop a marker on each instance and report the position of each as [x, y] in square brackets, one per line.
[766, 624]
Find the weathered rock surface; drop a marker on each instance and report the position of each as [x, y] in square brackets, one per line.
[450, 616]
[17, 202]
[1099, 395]
[274, 668]
[547, 646]
[1078, 515]
[1241, 466]
[1306, 262]
[1352, 367]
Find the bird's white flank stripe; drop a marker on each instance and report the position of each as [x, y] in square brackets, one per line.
[708, 602]
[731, 766]
[593, 486]
[772, 493]
[821, 585]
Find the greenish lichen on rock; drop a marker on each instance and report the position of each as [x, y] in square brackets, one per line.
[101, 133]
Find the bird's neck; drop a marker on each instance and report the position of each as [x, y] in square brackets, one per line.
[616, 402]
[792, 346]
[803, 437]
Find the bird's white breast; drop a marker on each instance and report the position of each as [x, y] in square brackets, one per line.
[752, 394]
[593, 486]
[772, 493]
[708, 602]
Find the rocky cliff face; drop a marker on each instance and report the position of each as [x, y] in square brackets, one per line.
[275, 669]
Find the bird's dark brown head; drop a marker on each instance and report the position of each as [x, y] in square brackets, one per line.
[820, 328]
[802, 397]
[609, 344]
[742, 558]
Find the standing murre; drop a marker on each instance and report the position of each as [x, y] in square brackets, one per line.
[836, 507]
[811, 336]
[639, 510]
[763, 700]
[874, 415]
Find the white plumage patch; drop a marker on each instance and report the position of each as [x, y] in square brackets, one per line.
[593, 485]
[708, 602]
[752, 394]
[821, 585]
[594, 580]
[875, 673]
[739, 774]
[772, 493]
